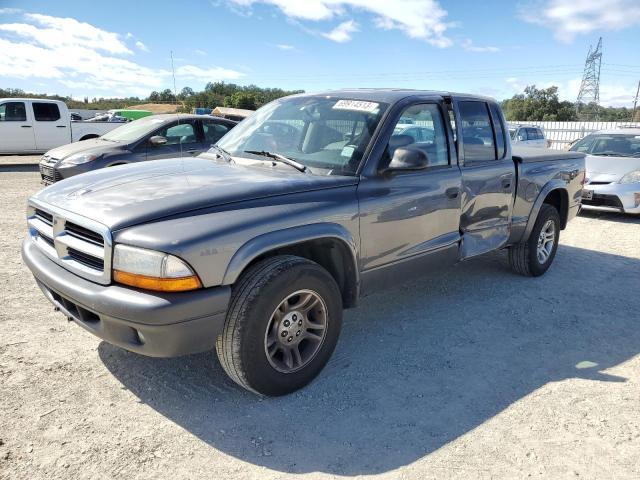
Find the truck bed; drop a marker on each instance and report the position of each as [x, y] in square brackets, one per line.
[533, 155]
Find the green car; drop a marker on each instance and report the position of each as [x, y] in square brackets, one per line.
[131, 114]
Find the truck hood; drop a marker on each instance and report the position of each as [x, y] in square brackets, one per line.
[94, 145]
[609, 169]
[132, 194]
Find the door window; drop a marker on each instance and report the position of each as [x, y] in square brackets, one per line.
[498, 126]
[477, 133]
[179, 134]
[13, 112]
[421, 126]
[46, 112]
[213, 131]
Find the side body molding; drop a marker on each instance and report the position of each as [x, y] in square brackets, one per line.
[556, 184]
[289, 237]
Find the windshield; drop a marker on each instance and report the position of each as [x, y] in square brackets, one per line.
[609, 145]
[319, 132]
[134, 130]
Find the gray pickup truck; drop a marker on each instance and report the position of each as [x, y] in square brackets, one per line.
[256, 246]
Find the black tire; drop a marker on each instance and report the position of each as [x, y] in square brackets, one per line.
[259, 291]
[523, 257]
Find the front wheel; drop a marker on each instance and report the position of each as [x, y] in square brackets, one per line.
[535, 256]
[282, 325]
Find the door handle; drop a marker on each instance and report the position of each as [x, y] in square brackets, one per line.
[25, 126]
[452, 192]
[61, 126]
[191, 152]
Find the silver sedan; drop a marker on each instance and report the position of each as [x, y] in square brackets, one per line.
[613, 170]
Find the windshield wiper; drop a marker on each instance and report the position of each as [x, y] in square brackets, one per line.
[279, 158]
[223, 153]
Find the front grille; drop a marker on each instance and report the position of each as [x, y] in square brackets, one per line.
[49, 174]
[79, 244]
[46, 217]
[86, 259]
[84, 233]
[602, 200]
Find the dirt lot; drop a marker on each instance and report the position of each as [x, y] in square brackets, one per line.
[475, 373]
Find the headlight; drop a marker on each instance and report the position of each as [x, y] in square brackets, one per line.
[151, 270]
[79, 158]
[631, 177]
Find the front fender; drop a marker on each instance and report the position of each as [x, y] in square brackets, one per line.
[284, 238]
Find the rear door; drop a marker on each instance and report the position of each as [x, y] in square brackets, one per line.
[488, 177]
[16, 128]
[183, 140]
[50, 129]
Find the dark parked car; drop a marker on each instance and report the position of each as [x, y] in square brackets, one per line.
[150, 138]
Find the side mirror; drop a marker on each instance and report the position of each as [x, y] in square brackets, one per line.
[521, 138]
[158, 140]
[408, 159]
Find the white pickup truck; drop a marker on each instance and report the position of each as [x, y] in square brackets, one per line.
[33, 125]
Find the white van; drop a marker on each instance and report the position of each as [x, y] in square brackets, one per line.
[32, 125]
[528, 136]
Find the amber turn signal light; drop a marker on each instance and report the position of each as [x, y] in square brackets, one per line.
[181, 284]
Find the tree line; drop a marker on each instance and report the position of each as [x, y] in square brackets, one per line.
[543, 104]
[534, 104]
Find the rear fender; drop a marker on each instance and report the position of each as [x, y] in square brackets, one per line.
[537, 205]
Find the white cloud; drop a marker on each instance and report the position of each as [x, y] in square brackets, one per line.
[569, 18]
[202, 53]
[141, 46]
[9, 11]
[81, 56]
[420, 19]
[468, 45]
[342, 33]
[207, 74]
[284, 46]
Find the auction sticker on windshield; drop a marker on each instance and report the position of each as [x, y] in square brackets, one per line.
[356, 105]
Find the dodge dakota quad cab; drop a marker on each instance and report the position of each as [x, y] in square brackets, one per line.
[32, 125]
[256, 246]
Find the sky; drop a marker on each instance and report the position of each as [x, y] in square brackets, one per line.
[493, 47]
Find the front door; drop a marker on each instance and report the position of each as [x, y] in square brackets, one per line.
[409, 220]
[183, 140]
[50, 129]
[488, 178]
[16, 128]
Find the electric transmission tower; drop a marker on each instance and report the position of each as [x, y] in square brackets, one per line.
[589, 95]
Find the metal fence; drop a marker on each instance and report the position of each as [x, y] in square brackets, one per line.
[562, 134]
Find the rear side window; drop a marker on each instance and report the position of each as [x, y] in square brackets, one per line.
[498, 126]
[46, 112]
[13, 112]
[477, 133]
[539, 134]
[214, 131]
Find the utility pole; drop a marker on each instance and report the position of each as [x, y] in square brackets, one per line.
[635, 103]
[587, 104]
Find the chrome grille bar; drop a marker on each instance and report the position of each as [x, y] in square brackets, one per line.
[79, 244]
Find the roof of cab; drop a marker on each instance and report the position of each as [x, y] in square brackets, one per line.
[386, 95]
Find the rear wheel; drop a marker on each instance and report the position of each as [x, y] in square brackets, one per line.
[535, 256]
[282, 325]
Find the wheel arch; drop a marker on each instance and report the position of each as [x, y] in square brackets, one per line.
[330, 245]
[553, 193]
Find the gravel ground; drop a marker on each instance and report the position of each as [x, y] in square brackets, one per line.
[474, 373]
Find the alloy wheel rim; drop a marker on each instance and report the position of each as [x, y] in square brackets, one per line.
[296, 331]
[546, 241]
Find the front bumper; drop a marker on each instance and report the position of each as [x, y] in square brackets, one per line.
[613, 197]
[150, 323]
